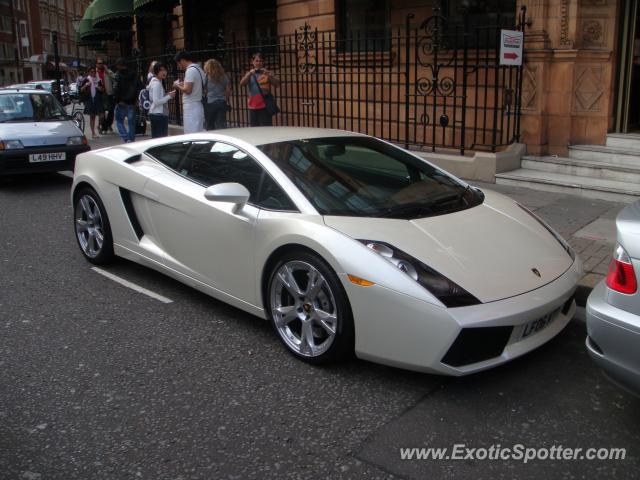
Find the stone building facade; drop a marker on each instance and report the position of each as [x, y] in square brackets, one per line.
[14, 40]
[579, 79]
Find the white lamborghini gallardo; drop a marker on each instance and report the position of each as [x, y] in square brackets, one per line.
[346, 243]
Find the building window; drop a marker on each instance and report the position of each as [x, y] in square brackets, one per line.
[5, 24]
[363, 25]
[482, 18]
[6, 51]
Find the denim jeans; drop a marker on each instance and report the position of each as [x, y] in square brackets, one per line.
[159, 125]
[215, 114]
[128, 111]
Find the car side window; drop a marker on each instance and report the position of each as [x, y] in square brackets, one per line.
[171, 155]
[210, 163]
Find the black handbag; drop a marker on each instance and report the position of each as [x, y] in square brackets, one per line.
[141, 124]
[270, 104]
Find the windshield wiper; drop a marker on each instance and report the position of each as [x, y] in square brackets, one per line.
[17, 119]
[408, 210]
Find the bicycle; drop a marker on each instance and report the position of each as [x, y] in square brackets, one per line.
[77, 114]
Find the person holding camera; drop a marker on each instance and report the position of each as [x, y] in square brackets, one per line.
[91, 93]
[260, 82]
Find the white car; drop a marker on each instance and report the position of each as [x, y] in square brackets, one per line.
[344, 242]
[36, 134]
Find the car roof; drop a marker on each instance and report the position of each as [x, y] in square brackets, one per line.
[264, 135]
[5, 90]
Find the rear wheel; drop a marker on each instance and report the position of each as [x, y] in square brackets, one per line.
[92, 228]
[309, 309]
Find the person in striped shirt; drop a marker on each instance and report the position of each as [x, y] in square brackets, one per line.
[259, 81]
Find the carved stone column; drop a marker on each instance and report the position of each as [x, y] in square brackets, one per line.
[537, 14]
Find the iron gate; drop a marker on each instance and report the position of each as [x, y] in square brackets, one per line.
[426, 85]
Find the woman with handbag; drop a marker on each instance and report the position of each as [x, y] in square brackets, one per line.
[260, 81]
[218, 93]
[91, 93]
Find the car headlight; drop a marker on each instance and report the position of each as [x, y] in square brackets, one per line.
[448, 292]
[555, 235]
[11, 145]
[77, 140]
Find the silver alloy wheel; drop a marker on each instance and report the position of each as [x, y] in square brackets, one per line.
[89, 226]
[303, 308]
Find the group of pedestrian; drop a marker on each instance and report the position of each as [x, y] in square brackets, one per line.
[205, 93]
[110, 96]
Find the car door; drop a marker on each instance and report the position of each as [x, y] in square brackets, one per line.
[204, 239]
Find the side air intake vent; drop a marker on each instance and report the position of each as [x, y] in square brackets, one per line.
[131, 212]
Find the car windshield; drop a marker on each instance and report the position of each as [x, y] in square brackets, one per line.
[17, 107]
[362, 176]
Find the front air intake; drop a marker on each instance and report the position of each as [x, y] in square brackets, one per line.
[475, 345]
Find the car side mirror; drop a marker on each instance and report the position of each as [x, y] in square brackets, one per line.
[228, 192]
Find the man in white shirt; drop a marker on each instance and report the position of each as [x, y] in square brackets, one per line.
[191, 88]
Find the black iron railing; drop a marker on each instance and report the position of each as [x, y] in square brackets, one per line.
[425, 85]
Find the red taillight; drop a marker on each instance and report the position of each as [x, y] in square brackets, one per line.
[621, 276]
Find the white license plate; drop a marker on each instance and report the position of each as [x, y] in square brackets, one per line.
[535, 326]
[47, 157]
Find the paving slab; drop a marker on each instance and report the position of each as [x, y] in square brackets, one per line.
[504, 407]
[602, 229]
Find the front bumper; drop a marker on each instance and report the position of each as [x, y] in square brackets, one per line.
[13, 162]
[613, 340]
[402, 331]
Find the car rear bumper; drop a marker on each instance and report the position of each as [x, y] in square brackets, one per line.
[613, 340]
[13, 162]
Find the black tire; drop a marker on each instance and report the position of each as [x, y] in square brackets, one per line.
[342, 343]
[87, 200]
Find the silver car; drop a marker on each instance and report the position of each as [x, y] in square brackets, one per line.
[613, 308]
[36, 134]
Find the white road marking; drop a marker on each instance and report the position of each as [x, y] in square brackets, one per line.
[132, 285]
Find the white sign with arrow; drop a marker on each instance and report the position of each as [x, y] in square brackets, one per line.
[511, 47]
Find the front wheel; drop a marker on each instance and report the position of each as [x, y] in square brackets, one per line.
[309, 309]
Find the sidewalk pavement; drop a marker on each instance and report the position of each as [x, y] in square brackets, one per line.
[587, 224]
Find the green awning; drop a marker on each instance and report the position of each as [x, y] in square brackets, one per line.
[87, 31]
[154, 7]
[112, 14]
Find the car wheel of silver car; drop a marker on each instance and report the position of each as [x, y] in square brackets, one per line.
[92, 227]
[309, 309]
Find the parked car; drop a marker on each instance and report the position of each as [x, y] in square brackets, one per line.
[613, 307]
[22, 86]
[36, 134]
[51, 87]
[343, 241]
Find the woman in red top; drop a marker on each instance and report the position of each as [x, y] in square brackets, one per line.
[259, 81]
